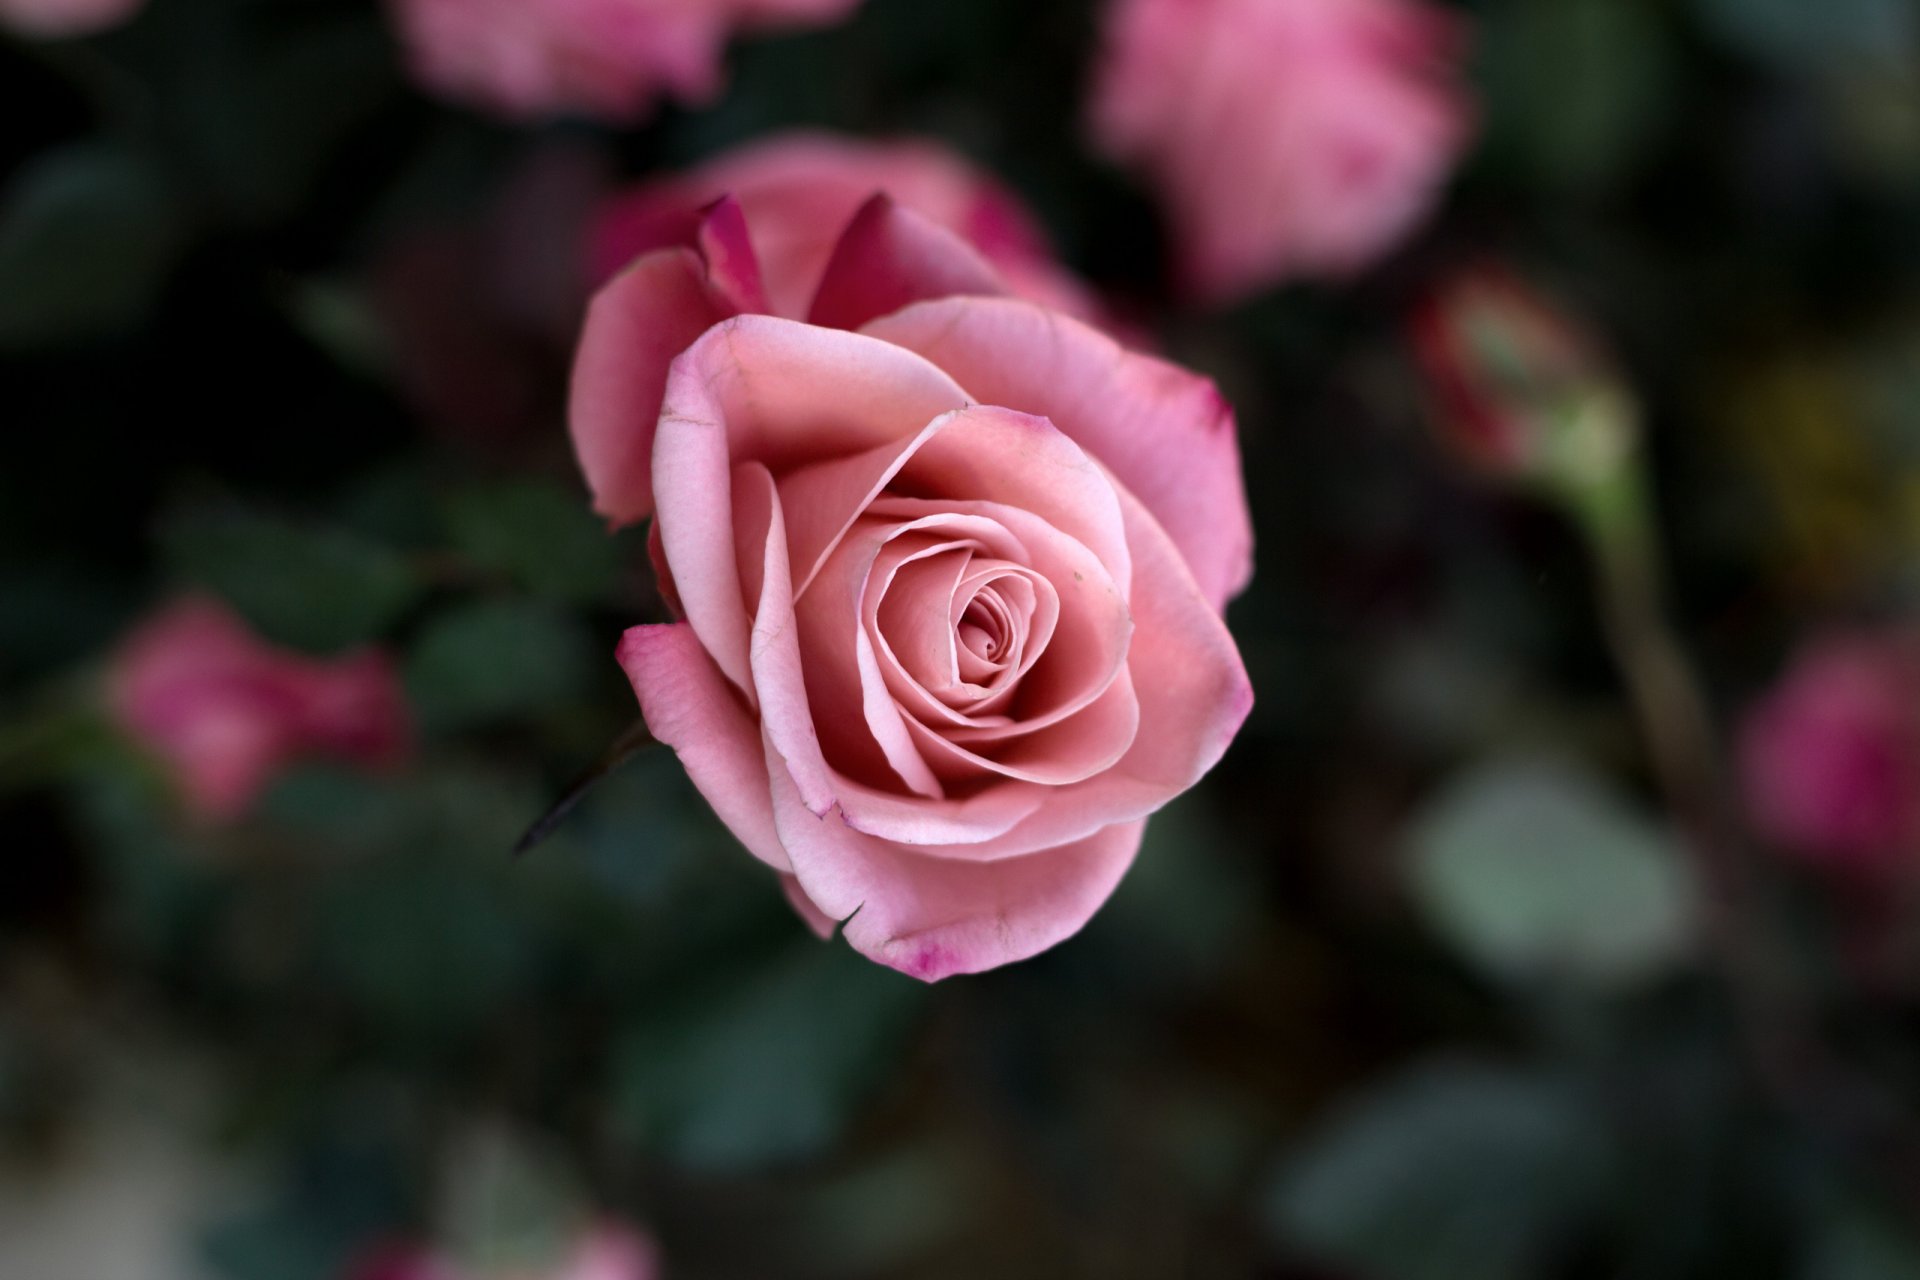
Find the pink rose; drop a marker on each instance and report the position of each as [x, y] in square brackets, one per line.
[54, 19]
[603, 58]
[799, 191]
[1831, 757]
[226, 711]
[1288, 138]
[950, 569]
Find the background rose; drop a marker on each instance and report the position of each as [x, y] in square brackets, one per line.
[49, 19]
[606, 58]
[1831, 756]
[226, 711]
[800, 189]
[940, 657]
[1285, 137]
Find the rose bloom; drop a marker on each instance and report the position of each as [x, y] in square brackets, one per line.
[950, 566]
[54, 19]
[1287, 138]
[226, 711]
[608, 59]
[1831, 757]
[798, 191]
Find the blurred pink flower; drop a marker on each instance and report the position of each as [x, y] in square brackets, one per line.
[1287, 138]
[610, 1251]
[226, 711]
[609, 59]
[53, 19]
[1831, 757]
[799, 191]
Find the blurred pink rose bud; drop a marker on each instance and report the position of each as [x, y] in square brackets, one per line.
[54, 19]
[611, 1251]
[1515, 386]
[226, 711]
[1286, 138]
[609, 59]
[798, 191]
[1831, 757]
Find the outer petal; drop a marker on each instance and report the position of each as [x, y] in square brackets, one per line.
[932, 917]
[688, 706]
[774, 655]
[755, 388]
[1164, 432]
[890, 256]
[635, 326]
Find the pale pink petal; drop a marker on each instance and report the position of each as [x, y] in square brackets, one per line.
[935, 917]
[1194, 695]
[1165, 433]
[761, 389]
[981, 452]
[689, 706]
[774, 655]
[891, 256]
[635, 326]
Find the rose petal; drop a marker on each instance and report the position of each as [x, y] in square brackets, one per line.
[934, 917]
[1164, 432]
[1194, 695]
[890, 256]
[732, 269]
[757, 388]
[635, 326]
[689, 706]
[774, 651]
[981, 452]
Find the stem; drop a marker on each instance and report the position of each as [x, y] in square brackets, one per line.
[1618, 521]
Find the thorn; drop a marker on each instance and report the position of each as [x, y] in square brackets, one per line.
[624, 748]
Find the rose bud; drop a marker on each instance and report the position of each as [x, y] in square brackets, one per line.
[950, 568]
[1286, 138]
[1831, 757]
[226, 711]
[1516, 388]
[57, 19]
[799, 190]
[606, 59]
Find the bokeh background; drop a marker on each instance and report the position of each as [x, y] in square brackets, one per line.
[1432, 979]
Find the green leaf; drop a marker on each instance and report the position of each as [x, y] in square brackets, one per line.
[1855, 1244]
[425, 947]
[1531, 869]
[493, 660]
[1453, 1172]
[88, 236]
[538, 534]
[768, 1068]
[312, 586]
